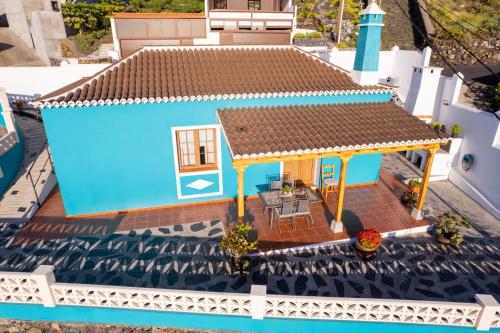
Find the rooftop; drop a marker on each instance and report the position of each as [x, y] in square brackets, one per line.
[316, 128]
[157, 74]
[158, 15]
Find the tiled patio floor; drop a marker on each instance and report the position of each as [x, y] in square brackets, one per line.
[374, 206]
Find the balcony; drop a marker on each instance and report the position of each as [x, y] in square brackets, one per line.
[222, 19]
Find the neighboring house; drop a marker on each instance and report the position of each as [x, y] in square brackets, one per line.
[224, 22]
[11, 144]
[39, 23]
[154, 129]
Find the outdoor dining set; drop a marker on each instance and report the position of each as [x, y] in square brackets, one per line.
[286, 201]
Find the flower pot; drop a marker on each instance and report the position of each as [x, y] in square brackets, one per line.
[364, 252]
[242, 266]
[441, 239]
[414, 189]
[454, 135]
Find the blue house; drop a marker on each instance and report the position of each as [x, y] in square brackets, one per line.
[148, 130]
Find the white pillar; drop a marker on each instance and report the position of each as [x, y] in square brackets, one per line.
[258, 301]
[490, 307]
[8, 115]
[44, 277]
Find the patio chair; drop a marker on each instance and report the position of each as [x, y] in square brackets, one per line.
[328, 182]
[304, 210]
[286, 211]
[275, 185]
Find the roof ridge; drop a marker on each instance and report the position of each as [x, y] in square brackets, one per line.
[281, 72]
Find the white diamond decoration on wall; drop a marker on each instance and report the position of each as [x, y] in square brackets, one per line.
[199, 184]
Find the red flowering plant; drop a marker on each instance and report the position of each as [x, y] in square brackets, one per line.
[369, 238]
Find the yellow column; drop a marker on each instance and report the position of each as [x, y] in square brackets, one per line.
[336, 225]
[241, 192]
[417, 211]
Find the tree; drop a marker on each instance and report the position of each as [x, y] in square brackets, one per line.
[82, 16]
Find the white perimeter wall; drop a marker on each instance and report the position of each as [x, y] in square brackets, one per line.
[32, 82]
[396, 64]
[481, 139]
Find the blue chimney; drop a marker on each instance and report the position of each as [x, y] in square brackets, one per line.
[365, 71]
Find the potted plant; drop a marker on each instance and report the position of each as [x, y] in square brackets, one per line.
[448, 228]
[438, 127]
[238, 246]
[367, 243]
[455, 130]
[287, 190]
[414, 185]
[409, 198]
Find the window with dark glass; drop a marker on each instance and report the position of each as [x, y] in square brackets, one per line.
[55, 6]
[220, 4]
[196, 149]
[254, 4]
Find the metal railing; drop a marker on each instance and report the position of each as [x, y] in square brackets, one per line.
[29, 174]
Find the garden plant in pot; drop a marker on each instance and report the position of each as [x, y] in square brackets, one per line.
[455, 130]
[409, 198]
[287, 190]
[414, 185]
[448, 228]
[367, 243]
[438, 127]
[238, 246]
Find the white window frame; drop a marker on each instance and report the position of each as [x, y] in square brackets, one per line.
[179, 174]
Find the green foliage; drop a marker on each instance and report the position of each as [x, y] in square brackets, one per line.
[287, 188]
[236, 243]
[305, 11]
[497, 94]
[90, 42]
[87, 17]
[312, 34]
[449, 225]
[409, 198]
[456, 129]
[352, 10]
[415, 182]
[157, 6]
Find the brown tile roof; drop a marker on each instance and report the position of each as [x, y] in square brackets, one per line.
[272, 131]
[184, 73]
[158, 15]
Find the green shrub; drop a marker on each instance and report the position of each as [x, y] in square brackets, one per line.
[314, 34]
[456, 129]
[299, 35]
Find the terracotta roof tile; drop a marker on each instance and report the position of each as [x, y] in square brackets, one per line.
[285, 129]
[194, 72]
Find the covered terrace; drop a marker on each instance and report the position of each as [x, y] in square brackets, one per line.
[289, 133]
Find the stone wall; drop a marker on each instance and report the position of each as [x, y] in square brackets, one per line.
[457, 55]
[25, 326]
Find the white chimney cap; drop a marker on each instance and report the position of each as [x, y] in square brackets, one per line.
[372, 8]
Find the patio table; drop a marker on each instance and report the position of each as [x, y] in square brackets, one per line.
[273, 199]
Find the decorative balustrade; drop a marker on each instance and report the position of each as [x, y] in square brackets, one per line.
[7, 142]
[379, 310]
[40, 287]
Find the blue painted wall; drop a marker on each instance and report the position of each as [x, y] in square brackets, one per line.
[368, 45]
[10, 161]
[119, 157]
[360, 168]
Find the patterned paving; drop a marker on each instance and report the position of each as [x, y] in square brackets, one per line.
[410, 268]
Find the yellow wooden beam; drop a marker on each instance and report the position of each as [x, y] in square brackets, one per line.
[241, 192]
[337, 226]
[425, 183]
[306, 156]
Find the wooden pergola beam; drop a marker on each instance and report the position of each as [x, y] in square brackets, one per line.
[241, 164]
